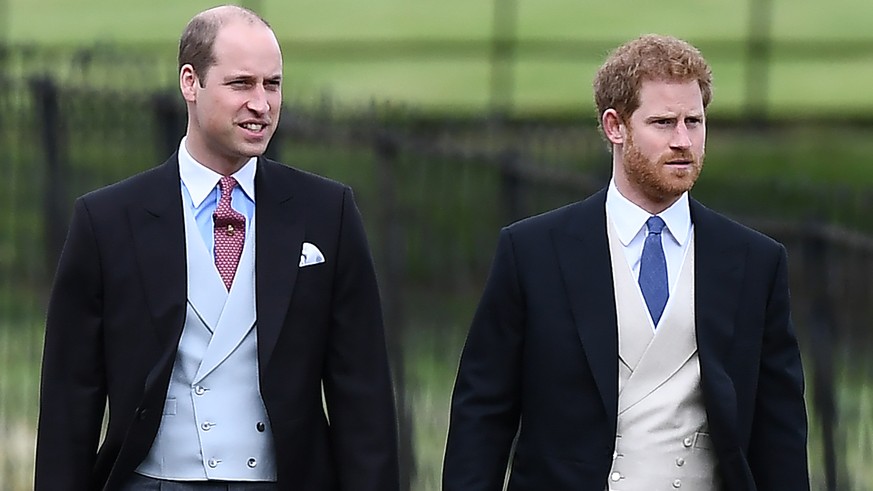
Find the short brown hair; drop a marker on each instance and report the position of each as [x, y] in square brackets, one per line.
[198, 39]
[648, 58]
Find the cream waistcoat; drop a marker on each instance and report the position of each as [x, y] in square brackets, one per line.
[662, 440]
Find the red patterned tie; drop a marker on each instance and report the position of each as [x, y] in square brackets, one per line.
[230, 233]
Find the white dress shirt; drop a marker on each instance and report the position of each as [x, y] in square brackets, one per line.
[629, 221]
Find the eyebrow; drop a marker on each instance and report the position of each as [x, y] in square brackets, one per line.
[247, 76]
[658, 117]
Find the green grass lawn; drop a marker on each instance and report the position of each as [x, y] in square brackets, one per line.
[803, 81]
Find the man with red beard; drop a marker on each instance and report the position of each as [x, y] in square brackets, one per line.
[635, 340]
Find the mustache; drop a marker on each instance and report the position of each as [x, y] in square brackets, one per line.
[680, 155]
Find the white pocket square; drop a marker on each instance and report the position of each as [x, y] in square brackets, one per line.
[310, 255]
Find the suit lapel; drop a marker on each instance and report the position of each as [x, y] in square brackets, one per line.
[720, 264]
[159, 241]
[279, 236]
[583, 254]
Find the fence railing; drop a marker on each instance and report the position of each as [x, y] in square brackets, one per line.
[433, 196]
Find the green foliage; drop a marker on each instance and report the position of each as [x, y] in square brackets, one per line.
[820, 61]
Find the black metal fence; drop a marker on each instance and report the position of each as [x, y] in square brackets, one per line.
[434, 194]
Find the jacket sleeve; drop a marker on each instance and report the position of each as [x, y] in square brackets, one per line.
[357, 382]
[486, 400]
[777, 451]
[73, 387]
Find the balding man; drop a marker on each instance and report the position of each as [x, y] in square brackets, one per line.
[223, 304]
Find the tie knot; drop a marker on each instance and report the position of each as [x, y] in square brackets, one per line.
[227, 183]
[655, 225]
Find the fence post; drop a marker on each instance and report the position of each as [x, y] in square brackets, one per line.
[391, 258]
[823, 340]
[511, 186]
[503, 51]
[758, 62]
[170, 122]
[54, 145]
[4, 26]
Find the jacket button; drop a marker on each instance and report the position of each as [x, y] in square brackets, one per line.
[252, 463]
[615, 477]
[261, 427]
[213, 463]
[207, 425]
[687, 442]
[680, 462]
[677, 484]
[199, 390]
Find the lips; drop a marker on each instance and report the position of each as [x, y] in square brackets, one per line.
[679, 159]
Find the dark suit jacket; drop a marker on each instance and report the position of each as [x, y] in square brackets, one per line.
[541, 359]
[117, 310]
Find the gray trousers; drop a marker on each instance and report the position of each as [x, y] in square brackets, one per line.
[138, 482]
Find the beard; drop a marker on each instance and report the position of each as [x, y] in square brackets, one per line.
[656, 179]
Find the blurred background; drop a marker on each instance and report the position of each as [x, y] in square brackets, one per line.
[451, 119]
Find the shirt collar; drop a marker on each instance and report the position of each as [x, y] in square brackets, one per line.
[201, 180]
[629, 218]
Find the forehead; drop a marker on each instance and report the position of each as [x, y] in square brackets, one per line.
[244, 46]
[674, 97]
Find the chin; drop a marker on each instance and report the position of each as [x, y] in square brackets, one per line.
[673, 188]
[253, 151]
[683, 180]
[677, 189]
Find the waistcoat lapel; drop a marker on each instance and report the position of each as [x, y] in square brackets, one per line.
[228, 316]
[633, 337]
[674, 343]
[238, 314]
[206, 292]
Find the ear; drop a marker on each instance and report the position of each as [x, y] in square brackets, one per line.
[613, 127]
[189, 82]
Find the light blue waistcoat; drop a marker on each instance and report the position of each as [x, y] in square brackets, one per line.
[214, 424]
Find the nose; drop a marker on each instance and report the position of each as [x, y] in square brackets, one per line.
[258, 101]
[681, 137]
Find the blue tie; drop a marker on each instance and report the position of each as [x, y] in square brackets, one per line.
[653, 270]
